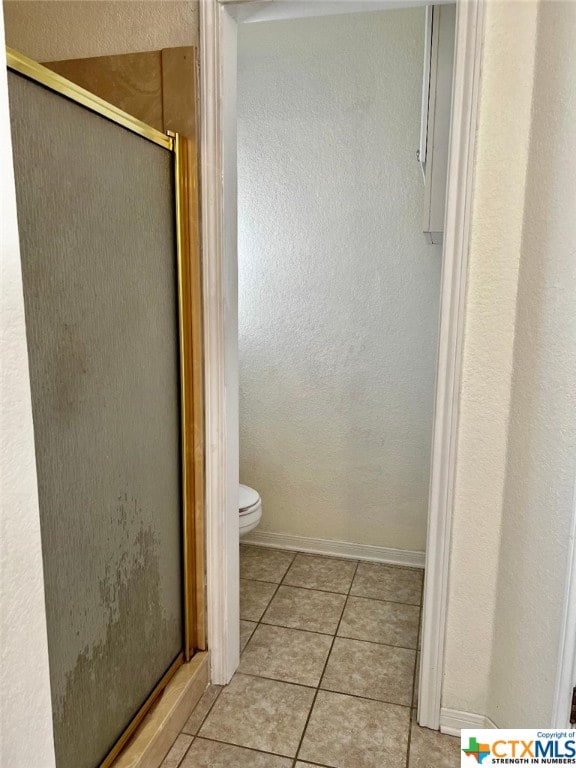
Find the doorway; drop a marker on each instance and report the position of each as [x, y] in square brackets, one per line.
[219, 50]
[338, 287]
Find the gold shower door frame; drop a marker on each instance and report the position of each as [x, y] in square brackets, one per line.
[190, 359]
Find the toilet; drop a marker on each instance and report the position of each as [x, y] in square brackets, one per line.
[250, 505]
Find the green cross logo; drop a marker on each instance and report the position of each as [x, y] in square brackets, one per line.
[479, 751]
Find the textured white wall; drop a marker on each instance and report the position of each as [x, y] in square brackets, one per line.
[517, 437]
[497, 220]
[26, 710]
[538, 497]
[338, 291]
[50, 30]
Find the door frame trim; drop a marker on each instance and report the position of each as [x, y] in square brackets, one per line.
[465, 101]
[217, 158]
[191, 391]
[218, 45]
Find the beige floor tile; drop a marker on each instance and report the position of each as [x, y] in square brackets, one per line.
[416, 681]
[246, 630]
[380, 622]
[211, 754]
[263, 564]
[356, 733]
[305, 609]
[388, 582]
[201, 709]
[371, 670]
[174, 758]
[431, 749]
[325, 573]
[260, 714]
[254, 598]
[285, 654]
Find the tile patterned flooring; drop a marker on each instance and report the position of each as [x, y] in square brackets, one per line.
[327, 676]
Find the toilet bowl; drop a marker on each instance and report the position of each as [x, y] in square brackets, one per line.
[250, 505]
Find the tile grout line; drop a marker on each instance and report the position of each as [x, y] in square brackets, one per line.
[259, 622]
[270, 601]
[409, 742]
[334, 635]
[332, 592]
[273, 595]
[187, 748]
[342, 637]
[278, 585]
[375, 642]
[409, 745]
[205, 716]
[327, 634]
[194, 736]
[328, 690]
[317, 687]
[348, 595]
[411, 726]
[260, 751]
[326, 556]
[356, 562]
[296, 757]
[248, 749]
[284, 583]
[260, 581]
[417, 652]
[268, 581]
[241, 746]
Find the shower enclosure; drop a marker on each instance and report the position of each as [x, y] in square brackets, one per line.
[109, 261]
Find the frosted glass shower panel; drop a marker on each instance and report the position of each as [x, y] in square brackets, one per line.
[97, 235]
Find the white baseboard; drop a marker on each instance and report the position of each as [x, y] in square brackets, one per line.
[407, 558]
[452, 721]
